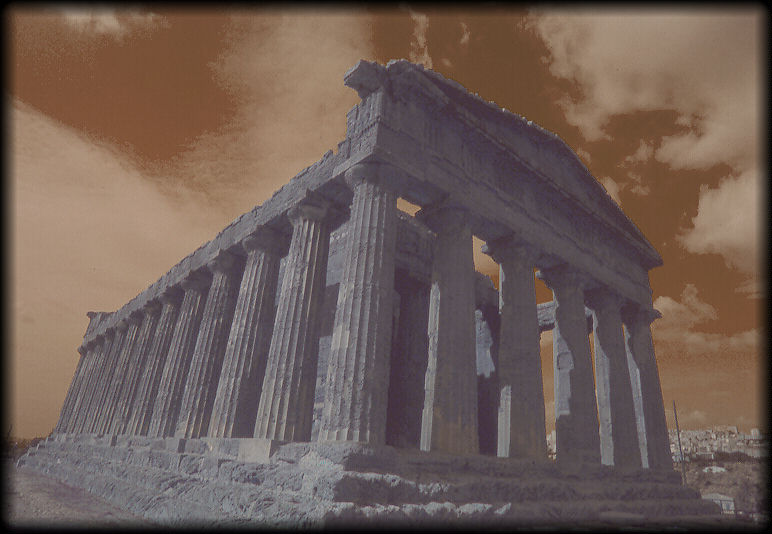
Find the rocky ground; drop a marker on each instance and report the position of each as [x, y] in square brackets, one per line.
[34, 500]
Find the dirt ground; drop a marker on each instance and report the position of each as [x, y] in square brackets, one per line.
[34, 500]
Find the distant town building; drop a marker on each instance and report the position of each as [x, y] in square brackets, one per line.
[704, 444]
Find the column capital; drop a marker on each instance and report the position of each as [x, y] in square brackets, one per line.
[565, 275]
[266, 239]
[122, 325]
[445, 217]
[83, 349]
[196, 280]
[223, 261]
[171, 294]
[91, 314]
[635, 313]
[601, 298]
[511, 248]
[313, 207]
[152, 307]
[136, 316]
[379, 174]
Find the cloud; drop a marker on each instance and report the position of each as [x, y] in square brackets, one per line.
[704, 66]
[286, 71]
[110, 22]
[88, 232]
[727, 223]
[644, 152]
[612, 188]
[419, 47]
[677, 329]
[465, 34]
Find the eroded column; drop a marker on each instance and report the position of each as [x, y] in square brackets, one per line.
[243, 370]
[576, 412]
[650, 412]
[137, 360]
[204, 372]
[356, 394]
[147, 389]
[85, 419]
[167, 404]
[286, 403]
[521, 425]
[122, 364]
[98, 406]
[449, 421]
[81, 397]
[616, 413]
[77, 377]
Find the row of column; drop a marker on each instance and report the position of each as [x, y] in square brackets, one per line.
[217, 358]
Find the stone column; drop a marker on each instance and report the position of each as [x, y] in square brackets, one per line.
[204, 372]
[651, 410]
[449, 421]
[576, 412]
[356, 394]
[81, 394]
[167, 404]
[408, 366]
[243, 369]
[137, 360]
[287, 398]
[104, 344]
[147, 389]
[616, 414]
[522, 431]
[102, 386]
[123, 362]
[77, 377]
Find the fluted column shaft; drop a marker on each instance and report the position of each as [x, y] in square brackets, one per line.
[106, 373]
[243, 369]
[137, 359]
[356, 395]
[204, 372]
[616, 413]
[640, 350]
[449, 421]
[167, 404]
[77, 378]
[81, 395]
[147, 389]
[521, 426]
[286, 404]
[576, 412]
[84, 411]
[119, 375]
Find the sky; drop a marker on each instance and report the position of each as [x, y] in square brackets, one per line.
[137, 134]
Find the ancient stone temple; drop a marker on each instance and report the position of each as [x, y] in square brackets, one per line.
[326, 327]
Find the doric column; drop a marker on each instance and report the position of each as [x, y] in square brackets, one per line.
[123, 362]
[167, 404]
[98, 407]
[77, 378]
[616, 414]
[243, 369]
[408, 365]
[204, 372]
[80, 399]
[147, 388]
[104, 345]
[137, 359]
[356, 394]
[643, 366]
[286, 404]
[449, 421]
[521, 428]
[576, 412]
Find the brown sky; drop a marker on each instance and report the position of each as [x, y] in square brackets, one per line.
[135, 136]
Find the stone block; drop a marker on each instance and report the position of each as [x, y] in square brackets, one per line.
[256, 449]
